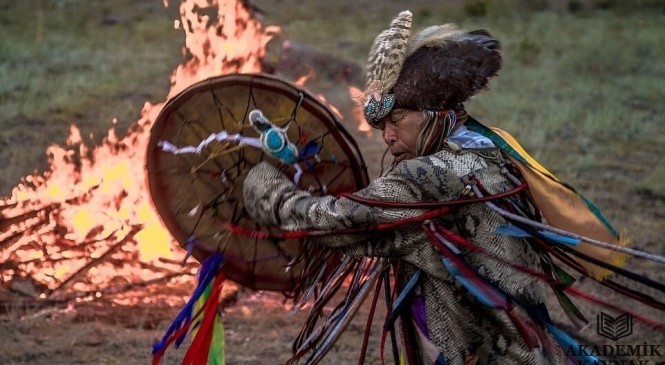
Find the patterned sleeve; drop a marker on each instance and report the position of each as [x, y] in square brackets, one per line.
[272, 199]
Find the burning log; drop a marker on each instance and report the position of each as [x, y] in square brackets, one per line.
[24, 222]
[6, 223]
[8, 241]
[67, 247]
[71, 279]
[7, 205]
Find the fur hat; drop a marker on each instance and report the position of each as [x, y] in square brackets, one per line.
[439, 68]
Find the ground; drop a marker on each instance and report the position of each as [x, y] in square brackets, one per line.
[258, 326]
[259, 329]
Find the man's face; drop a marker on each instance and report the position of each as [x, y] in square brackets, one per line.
[401, 128]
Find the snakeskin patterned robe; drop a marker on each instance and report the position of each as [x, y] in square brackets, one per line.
[460, 329]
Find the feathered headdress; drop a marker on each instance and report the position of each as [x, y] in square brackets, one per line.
[438, 68]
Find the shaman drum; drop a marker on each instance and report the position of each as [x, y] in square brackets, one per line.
[196, 183]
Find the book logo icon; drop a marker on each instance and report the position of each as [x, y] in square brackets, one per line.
[615, 328]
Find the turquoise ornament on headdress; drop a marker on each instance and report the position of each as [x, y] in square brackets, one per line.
[377, 109]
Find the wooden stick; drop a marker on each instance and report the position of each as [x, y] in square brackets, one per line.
[4, 205]
[70, 280]
[16, 236]
[6, 222]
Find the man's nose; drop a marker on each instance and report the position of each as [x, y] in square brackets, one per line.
[389, 135]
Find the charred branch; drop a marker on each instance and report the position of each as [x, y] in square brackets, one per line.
[74, 277]
[16, 236]
[6, 205]
[7, 222]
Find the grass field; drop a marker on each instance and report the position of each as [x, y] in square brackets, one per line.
[582, 88]
[582, 79]
[77, 62]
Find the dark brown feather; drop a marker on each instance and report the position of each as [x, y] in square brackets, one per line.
[446, 76]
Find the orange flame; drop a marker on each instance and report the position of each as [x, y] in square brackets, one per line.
[93, 203]
[302, 80]
[357, 95]
[234, 43]
[92, 197]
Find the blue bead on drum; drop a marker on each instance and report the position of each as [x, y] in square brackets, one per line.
[274, 140]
